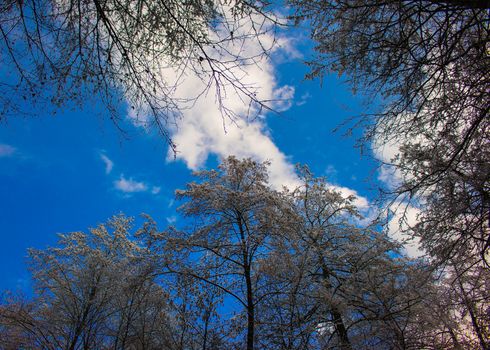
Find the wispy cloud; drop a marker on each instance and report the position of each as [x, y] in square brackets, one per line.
[109, 164]
[171, 219]
[283, 98]
[128, 185]
[331, 173]
[7, 150]
[303, 99]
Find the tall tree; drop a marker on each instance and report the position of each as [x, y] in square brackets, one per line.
[358, 288]
[428, 60]
[96, 290]
[234, 213]
[336, 284]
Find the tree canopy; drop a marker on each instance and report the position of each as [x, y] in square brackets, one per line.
[251, 268]
[428, 64]
[56, 52]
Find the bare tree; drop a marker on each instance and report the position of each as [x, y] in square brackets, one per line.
[55, 52]
[428, 60]
[300, 266]
[234, 211]
[93, 291]
[351, 271]
[334, 283]
[429, 63]
[465, 291]
[286, 318]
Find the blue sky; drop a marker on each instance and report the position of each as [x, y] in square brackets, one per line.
[74, 170]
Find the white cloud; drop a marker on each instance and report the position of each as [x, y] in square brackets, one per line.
[129, 185]
[109, 164]
[403, 217]
[360, 202]
[387, 152]
[224, 126]
[283, 98]
[7, 150]
[387, 147]
[199, 136]
[225, 120]
[287, 48]
[403, 214]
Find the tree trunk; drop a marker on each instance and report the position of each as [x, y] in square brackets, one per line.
[81, 324]
[337, 318]
[250, 310]
[341, 329]
[248, 280]
[471, 310]
[206, 325]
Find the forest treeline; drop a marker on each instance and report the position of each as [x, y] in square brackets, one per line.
[249, 267]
